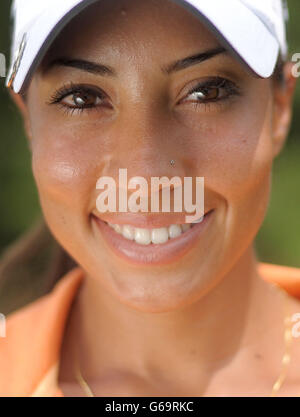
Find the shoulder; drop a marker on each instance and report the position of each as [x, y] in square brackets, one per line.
[286, 277]
[33, 334]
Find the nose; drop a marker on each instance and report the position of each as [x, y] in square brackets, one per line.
[147, 139]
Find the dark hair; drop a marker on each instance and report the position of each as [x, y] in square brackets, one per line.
[31, 266]
[278, 75]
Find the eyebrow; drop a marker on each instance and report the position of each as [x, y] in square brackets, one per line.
[83, 65]
[104, 70]
[193, 60]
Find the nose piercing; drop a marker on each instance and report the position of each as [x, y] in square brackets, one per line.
[172, 162]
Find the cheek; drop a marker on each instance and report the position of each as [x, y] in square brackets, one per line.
[236, 153]
[243, 173]
[65, 175]
[65, 169]
[59, 174]
[235, 156]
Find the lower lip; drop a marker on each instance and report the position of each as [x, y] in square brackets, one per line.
[153, 254]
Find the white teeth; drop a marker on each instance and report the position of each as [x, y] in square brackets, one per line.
[174, 230]
[142, 236]
[148, 236]
[117, 228]
[128, 232]
[159, 235]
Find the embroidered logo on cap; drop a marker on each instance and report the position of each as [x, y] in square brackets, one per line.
[17, 60]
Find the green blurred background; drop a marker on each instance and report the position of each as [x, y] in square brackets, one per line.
[279, 238]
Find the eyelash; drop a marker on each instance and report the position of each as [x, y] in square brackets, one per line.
[213, 83]
[72, 89]
[216, 82]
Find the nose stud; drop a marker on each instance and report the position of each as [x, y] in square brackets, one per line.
[172, 162]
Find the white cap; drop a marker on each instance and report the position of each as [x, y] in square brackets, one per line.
[253, 30]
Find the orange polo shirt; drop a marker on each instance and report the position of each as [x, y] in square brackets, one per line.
[29, 354]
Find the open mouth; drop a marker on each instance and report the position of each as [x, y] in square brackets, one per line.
[152, 245]
[155, 236]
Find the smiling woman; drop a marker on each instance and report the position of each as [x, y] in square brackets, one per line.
[133, 85]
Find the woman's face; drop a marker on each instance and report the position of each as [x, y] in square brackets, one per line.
[85, 121]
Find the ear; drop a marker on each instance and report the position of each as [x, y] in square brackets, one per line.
[282, 111]
[22, 106]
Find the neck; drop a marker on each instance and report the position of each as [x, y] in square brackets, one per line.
[229, 321]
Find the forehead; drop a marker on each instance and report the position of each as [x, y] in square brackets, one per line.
[137, 26]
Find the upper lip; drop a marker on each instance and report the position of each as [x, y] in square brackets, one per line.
[145, 221]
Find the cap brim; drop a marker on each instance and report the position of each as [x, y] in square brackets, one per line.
[248, 39]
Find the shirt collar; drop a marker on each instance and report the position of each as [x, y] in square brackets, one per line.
[31, 349]
[30, 353]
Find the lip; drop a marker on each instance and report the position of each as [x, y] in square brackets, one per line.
[148, 221]
[153, 254]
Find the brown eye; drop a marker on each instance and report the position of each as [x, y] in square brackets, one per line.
[207, 94]
[213, 90]
[82, 100]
